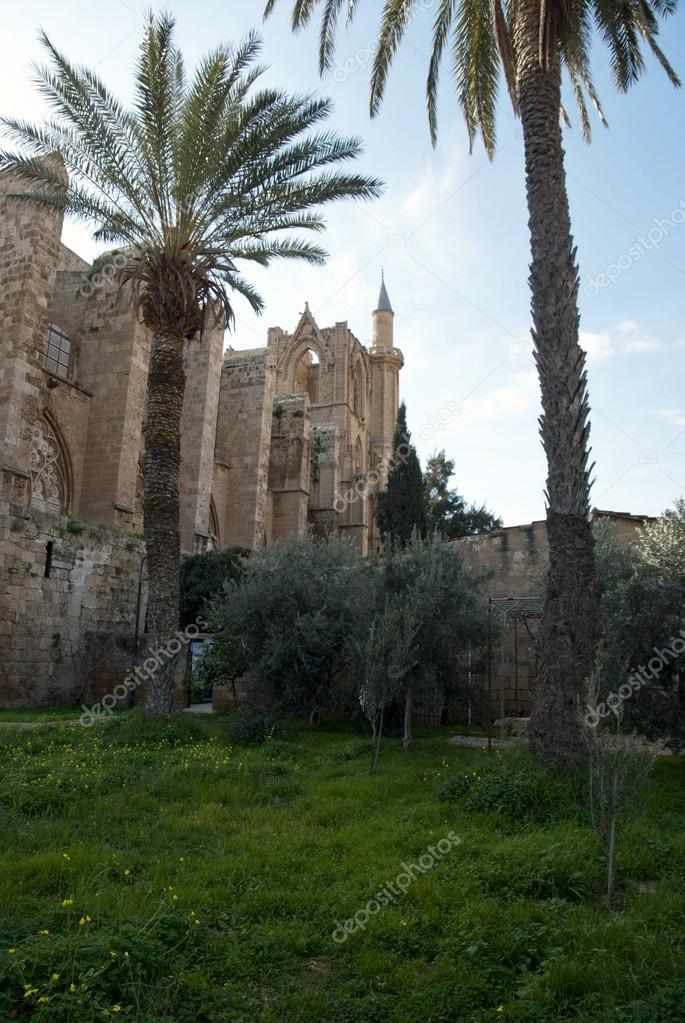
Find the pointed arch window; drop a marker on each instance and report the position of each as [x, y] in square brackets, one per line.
[306, 375]
[358, 392]
[50, 484]
[214, 543]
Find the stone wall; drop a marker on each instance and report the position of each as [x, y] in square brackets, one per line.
[29, 251]
[514, 562]
[289, 466]
[67, 608]
[203, 358]
[243, 442]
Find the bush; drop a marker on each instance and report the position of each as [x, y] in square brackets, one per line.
[641, 596]
[515, 789]
[251, 726]
[289, 622]
[203, 577]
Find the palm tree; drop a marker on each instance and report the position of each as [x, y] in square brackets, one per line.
[531, 42]
[196, 176]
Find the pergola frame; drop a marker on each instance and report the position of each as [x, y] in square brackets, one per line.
[516, 609]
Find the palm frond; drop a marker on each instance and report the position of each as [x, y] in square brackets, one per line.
[394, 21]
[158, 104]
[475, 68]
[441, 33]
[196, 177]
[265, 251]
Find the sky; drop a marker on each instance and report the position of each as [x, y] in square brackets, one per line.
[450, 233]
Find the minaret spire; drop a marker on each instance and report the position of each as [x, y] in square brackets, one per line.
[383, 299]
[382, 318]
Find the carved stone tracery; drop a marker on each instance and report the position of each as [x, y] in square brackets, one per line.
[49, 471]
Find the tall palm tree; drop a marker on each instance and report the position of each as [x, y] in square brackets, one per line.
[530, 43]
[196, 176]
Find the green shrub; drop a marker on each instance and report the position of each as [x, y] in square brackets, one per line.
[203, 577]
[252, 726]
[516, 788]
[134, 729]
[289, 621]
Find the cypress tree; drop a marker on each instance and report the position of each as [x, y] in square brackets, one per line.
[401, 507]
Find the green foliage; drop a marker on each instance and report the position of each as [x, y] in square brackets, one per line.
[204, 576]
[480, 39]
[447, 510]
[293, 612]
[431, 580]
[401, 507]
[222, 870]
[641, 594]
[253, 726]
[517, 789]
[421, 618]
[384, 659]
[201, 173]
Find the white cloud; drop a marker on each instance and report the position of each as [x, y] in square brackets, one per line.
[673, 415]
[598, 346]
[625, 336]
[633, 339]
[510, 399]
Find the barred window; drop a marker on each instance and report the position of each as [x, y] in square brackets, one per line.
[57, 352]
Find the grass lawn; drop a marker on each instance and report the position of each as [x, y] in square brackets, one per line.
[40, 715]
[159, 872]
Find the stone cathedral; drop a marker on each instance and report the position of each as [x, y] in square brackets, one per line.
[274, 439]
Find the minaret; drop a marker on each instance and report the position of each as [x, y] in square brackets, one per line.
[383, 316]
[386, 362]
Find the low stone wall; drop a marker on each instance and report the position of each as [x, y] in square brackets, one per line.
[514, 560]
[68, 595]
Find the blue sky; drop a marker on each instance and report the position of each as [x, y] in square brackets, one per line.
[451, 233]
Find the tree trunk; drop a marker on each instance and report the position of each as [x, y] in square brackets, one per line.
[377, 726]
[166, 384]
[567, 636]
[408, 705]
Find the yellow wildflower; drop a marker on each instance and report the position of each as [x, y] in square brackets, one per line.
[55, 976]
[67, 902]
[11, 951]
[44, 933]
[116, 1008]
[43, 1000]
[72, 988]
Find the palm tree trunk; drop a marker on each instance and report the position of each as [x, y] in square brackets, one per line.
[166, 385]
[566, 641]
